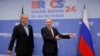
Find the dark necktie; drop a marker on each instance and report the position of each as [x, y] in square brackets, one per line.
[51, 31]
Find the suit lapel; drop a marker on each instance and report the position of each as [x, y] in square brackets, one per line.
[29, 29]
[53, 31]
[23, 30]
[49, 31]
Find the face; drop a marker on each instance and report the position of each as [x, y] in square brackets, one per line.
[49, 22]
[24, 19]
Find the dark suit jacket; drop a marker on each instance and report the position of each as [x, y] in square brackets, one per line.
[50, 43]
[24, 43]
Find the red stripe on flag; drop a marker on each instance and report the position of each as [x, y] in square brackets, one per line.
[84, 48]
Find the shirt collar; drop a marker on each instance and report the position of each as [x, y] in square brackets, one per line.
[24, 24]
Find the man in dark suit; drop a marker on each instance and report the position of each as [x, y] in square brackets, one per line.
[23, 34]
[50, 36]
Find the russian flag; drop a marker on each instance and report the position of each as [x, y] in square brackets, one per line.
[85, 41]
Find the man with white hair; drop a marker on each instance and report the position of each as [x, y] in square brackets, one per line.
[23, 34]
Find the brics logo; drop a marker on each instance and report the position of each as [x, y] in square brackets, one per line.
[68, 5]
[53, 4]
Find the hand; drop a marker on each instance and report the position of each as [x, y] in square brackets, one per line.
[14, 54]
[9, 52]
[57, 37]
[72, 35]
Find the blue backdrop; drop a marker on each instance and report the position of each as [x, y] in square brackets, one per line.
[66, 20]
